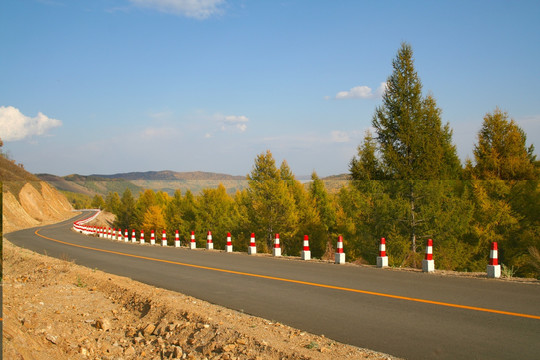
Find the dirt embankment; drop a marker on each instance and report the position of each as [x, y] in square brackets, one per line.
[54, 309]
[36, 203]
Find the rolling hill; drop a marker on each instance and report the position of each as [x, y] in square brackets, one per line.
[168, 181]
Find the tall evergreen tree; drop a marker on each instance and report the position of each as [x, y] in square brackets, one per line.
[173, 212]
[146, 199]
[112, 202]
[366, 166]
[127, 215]
[411, 145]
[272, 207]
[327, 214]
[189, 208]
[308, 217]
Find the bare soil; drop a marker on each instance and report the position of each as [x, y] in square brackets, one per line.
[35, 205]
[54, 309]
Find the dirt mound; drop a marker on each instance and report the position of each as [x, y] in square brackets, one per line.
[104, 219]
[14, 216]
[28, 201]
[54, 309]
[33, 205]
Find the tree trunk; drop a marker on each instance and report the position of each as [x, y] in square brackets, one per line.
[413, 225]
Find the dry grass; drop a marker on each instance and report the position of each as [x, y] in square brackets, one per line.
[534, 259]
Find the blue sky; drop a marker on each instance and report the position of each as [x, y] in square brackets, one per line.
[108, 86]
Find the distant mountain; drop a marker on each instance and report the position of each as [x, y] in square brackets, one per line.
[172, 175]
[168, 181]
[334, 183]
[337, 177]
[89, 185]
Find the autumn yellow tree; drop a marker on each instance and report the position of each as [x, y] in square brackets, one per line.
[502, 152]
[505, 190]
[217, 213]
[153, 220]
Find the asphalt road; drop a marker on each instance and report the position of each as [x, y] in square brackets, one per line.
[407, 314]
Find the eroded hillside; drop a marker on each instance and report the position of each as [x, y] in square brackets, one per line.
[27, 201]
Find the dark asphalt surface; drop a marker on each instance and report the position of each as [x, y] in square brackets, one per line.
[408, 329]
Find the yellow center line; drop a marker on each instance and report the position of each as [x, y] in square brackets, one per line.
[474, 308]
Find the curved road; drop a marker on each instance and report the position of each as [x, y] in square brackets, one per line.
[407, 314]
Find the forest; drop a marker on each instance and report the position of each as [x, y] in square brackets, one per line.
[407, 184]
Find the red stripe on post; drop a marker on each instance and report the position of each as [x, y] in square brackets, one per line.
[306, 243]
[382, 248]
[494, 254]
[429, 250]
[340, 245]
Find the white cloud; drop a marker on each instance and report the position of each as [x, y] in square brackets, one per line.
[161, 115]
[361, 92]
[381, 89]
[14, 125]
[237, 122]
[236, 119]
[358, 92]
[337, 136]
[314, 139]
[198, 9]
[164, 132]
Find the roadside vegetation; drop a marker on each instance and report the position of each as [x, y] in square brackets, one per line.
[407, 185]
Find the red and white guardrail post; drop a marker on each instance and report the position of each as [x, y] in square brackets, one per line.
[494, 269]
[252, 249]
[382, 259]
[192, 243]
[177, 239]
[306, 253]
[340, 255]
[428, 265]
[164, 238]
[228, 246]
[209, 242]
[277, 246]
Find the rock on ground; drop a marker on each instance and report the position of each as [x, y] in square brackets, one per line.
[54, 309]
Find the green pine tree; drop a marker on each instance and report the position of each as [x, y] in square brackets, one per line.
[411, 138]
[366, 166]
[327, 214]
[272, 207]
[127, 215]
[112, 202]
[411, 145]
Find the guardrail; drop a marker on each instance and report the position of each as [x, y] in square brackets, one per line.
[80, 226]
[428, 264]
